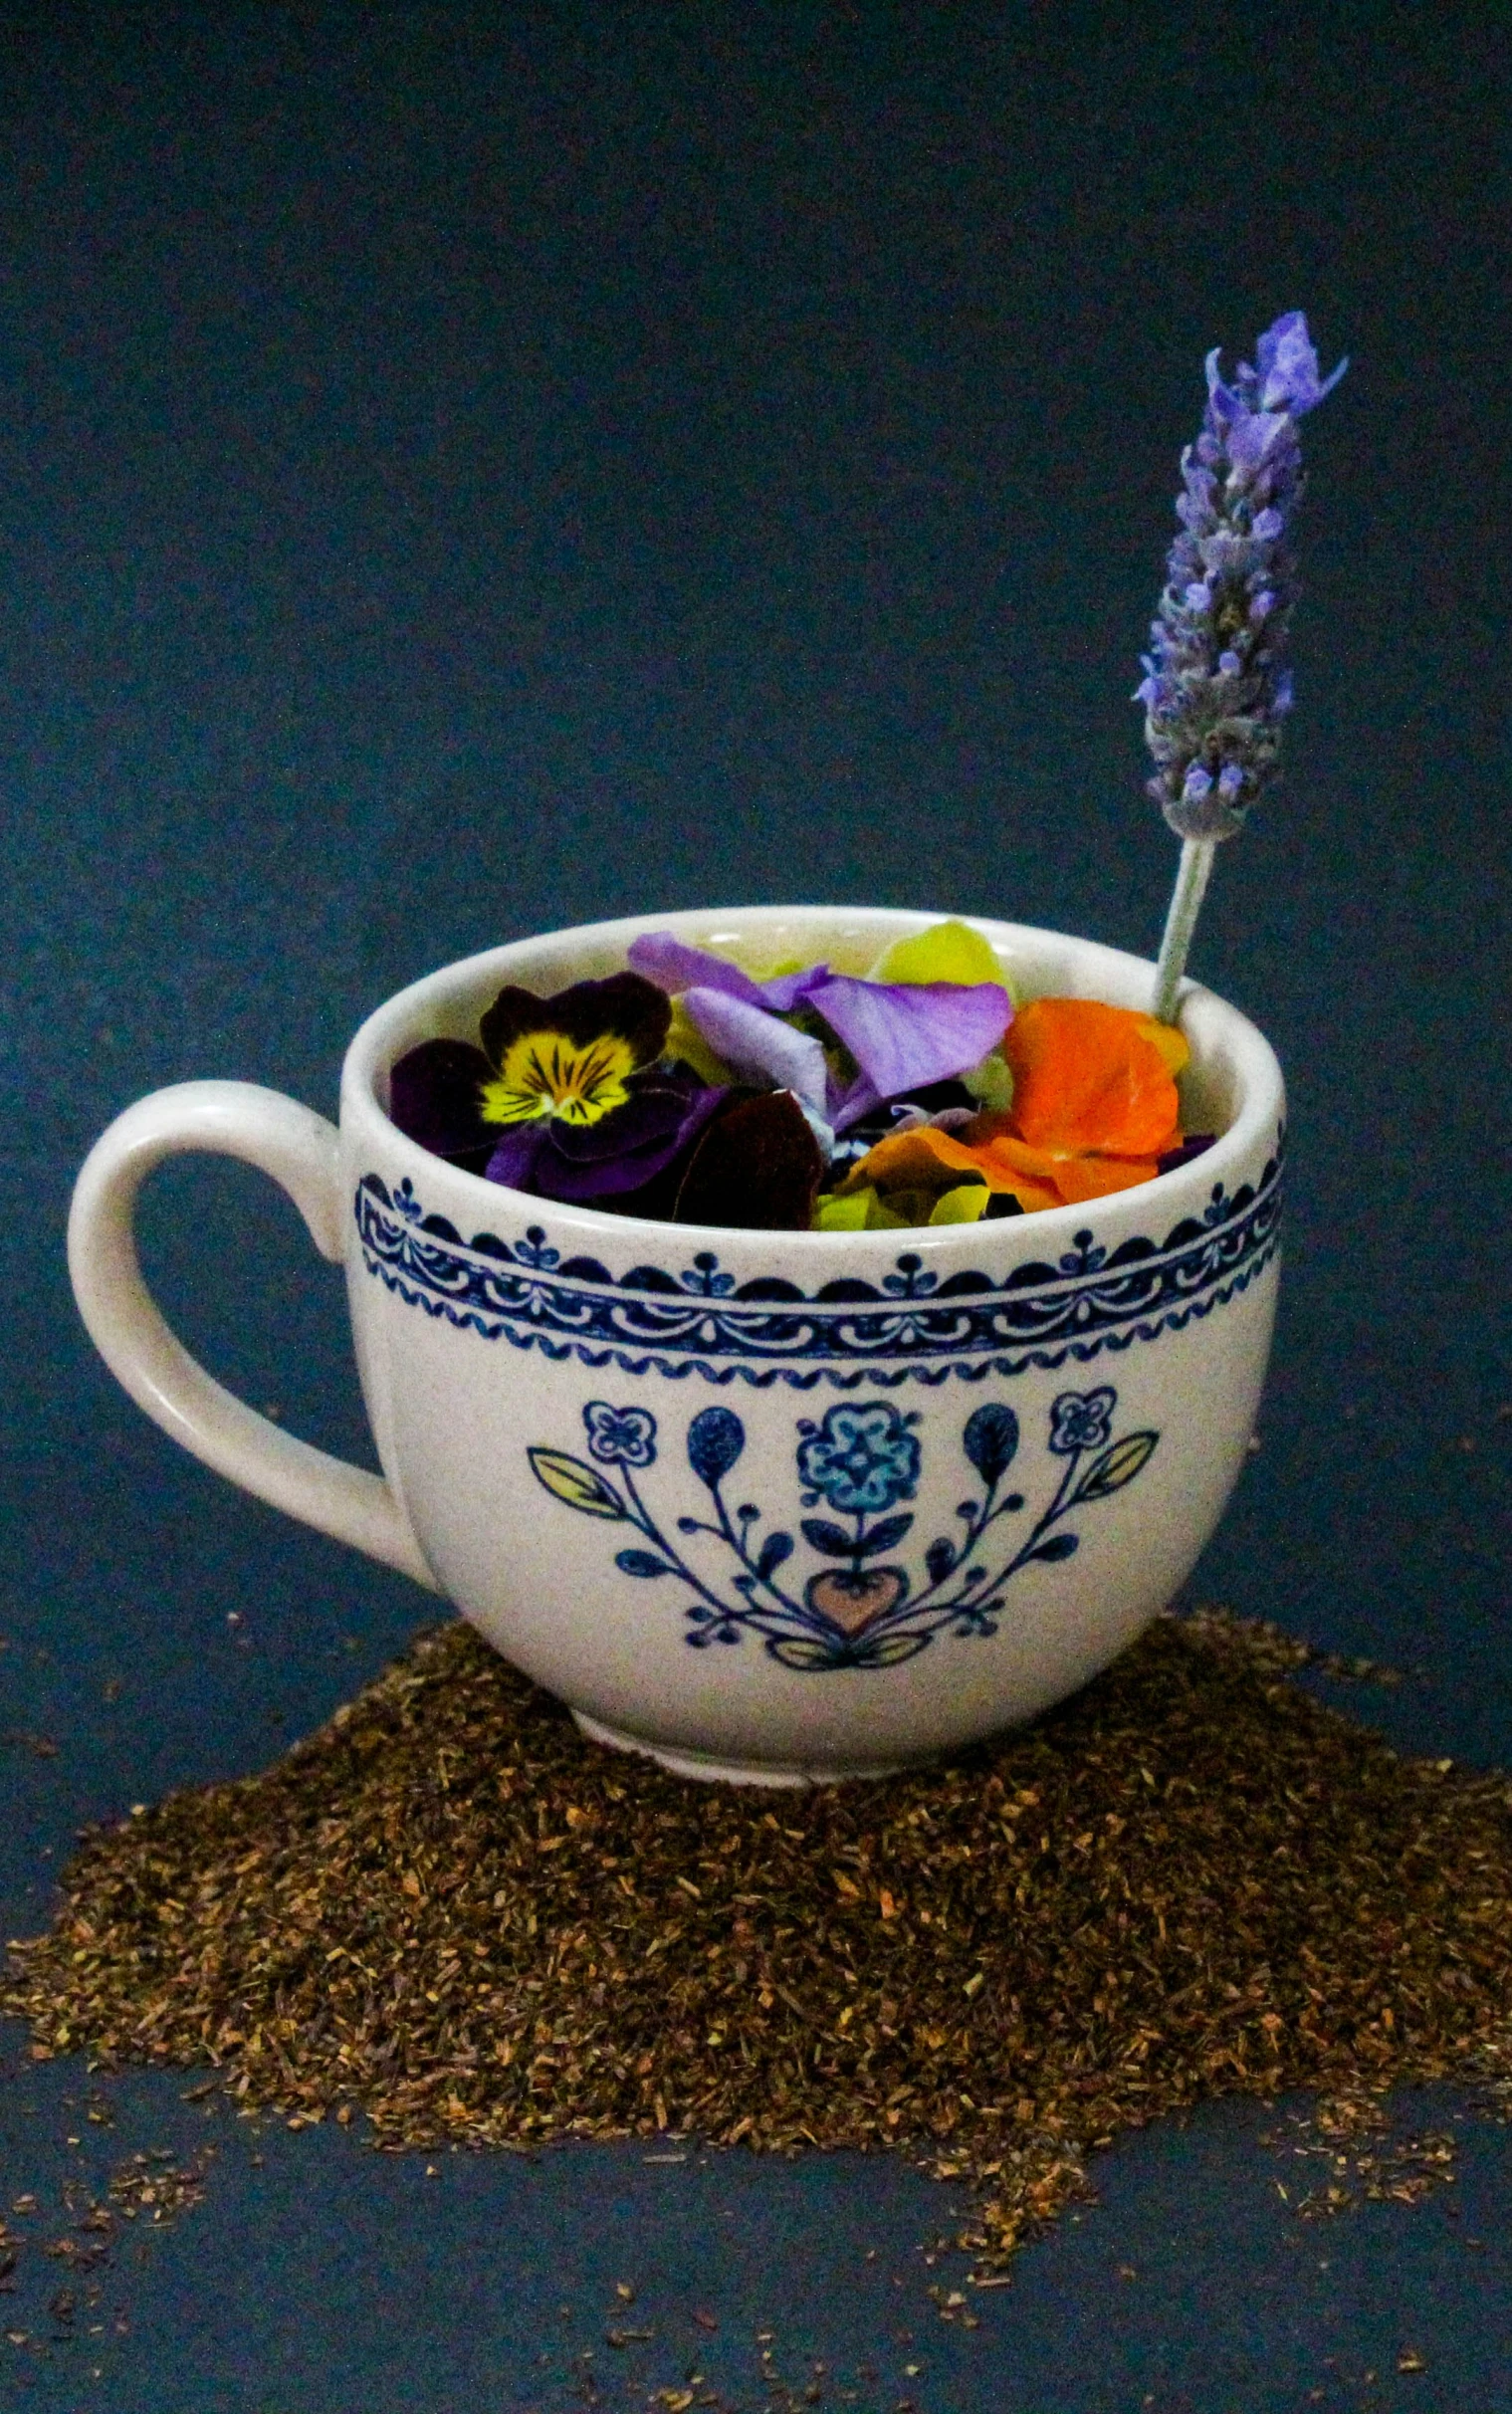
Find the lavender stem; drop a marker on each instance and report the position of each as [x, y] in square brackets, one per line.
[1216, 690]
[1192, 878]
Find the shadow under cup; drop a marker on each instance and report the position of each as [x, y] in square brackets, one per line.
[790, 1506]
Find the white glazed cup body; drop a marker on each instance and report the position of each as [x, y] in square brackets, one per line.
[785, 1505]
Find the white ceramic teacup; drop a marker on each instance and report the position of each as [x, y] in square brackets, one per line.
[773, 1506]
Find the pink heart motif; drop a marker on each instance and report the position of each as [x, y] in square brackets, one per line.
[850, 1599]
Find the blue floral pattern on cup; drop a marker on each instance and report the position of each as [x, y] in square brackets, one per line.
[859, 1608]
[620, 1437]
[1081, 1421]
[859, 1457]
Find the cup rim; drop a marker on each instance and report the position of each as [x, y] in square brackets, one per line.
[1207, 1020]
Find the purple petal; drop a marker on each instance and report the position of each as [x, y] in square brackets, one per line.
[753, 1042]
[1252, 437]
[513, 1160]
[621, 1152]
[860, 1100]
[654, 1111]
[1288, 366]
[904, 1034]
[675, 966]
[794, 989]
[1225, 402]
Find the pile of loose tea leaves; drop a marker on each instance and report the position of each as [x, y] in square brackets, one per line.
[450, 1913]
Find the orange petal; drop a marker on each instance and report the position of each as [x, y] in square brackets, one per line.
[909, 1161]
[1087, 1076]
[926, 1157]
[1079, 1178]
[1066, 1178]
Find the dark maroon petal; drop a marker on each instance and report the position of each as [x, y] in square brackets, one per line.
[435, 1096]
[756, 1169]
[632, 1008]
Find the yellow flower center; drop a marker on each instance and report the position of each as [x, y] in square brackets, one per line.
[545, 1073]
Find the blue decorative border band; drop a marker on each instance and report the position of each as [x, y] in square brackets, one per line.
[913, 1324]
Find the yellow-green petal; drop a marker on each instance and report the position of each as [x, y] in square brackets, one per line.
[948, 951]
[990, 1083]
[847, 1215]
[967, 1204]
[857, 1211]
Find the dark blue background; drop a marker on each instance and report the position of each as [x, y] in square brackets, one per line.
[467, 471]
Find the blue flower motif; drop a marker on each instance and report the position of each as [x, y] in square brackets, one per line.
[703, 1277]
[621, 1438]
[533, 1250]
[860, 1459]
[910, 1281]
[1082, 1421]
[1082, 1257]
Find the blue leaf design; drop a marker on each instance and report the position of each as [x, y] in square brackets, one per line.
[940, 1558]
[832, 1540]
[775, 1550]
[1059, 1546]
[641, 1563]
[885, 1536]
[716, 1438]
[991, 1440]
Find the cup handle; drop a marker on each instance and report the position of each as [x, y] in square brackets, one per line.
[300, 1149]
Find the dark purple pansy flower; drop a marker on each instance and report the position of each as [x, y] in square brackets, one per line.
[565, 1098]
[665, 1111]
[562, 1102]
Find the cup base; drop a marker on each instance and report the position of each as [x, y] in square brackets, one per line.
[712, 1770]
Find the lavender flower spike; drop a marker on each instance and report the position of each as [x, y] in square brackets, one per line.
[1217, 689]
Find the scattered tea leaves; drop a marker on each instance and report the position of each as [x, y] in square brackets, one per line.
[447, 1911]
